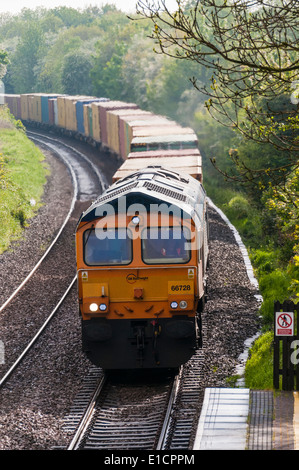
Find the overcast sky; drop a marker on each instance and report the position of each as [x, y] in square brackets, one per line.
[15, 6]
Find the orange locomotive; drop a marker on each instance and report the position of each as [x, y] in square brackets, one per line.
[142, 253]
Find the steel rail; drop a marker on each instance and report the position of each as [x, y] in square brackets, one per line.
[85, 421]
[28, 277]
[164, 431]
[38, 334]
[103, 183]
[74, 198]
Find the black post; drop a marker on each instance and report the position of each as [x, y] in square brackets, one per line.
[289, 370]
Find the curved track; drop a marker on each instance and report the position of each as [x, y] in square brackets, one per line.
[88, 183]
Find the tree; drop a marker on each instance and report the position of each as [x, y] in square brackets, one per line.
[4, 61]
[75, 74]
[26, 59]
[251, 50]
[111, 49]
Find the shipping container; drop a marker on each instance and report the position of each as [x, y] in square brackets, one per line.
[70, 112]
[51, 110]
[90, 117]
[17, 106]
[31, 113]
[116, 126]
[166, 153]
[13, 103]
[95, 130]
[166, 142]
[38, 107]
[61, 113]
[131, 126]
[86, 109]
[163, 129]
[103, 108]
[45, 99]
[88, 120]
[190, 164]
[9, 101]
[80, 111]
[25, 106]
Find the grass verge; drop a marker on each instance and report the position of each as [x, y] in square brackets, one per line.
[22, 177]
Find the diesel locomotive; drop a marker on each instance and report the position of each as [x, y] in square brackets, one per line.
[142, 246]
[142, 252]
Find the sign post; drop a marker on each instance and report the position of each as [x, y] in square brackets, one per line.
[286, 328]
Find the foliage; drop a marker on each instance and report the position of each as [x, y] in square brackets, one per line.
[3, 63]
[251, 51]
[75, 74]
[97, 51]
[29, 51]
[22, 177]
[259, 367]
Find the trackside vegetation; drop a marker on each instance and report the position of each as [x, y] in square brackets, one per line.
[268, 225]
[22, 178]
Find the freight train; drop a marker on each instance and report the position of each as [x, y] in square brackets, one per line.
[142, 246]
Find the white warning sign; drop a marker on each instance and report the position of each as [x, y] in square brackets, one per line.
[284, 323]
[191, 273]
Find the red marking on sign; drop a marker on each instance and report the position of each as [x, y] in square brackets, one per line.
[284, 320]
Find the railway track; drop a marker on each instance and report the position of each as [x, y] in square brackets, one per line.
[87, 183]
[88, 187]
[147, 415]
[138, 415]
[123, 416]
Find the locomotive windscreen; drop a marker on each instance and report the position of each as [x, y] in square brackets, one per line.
[110, 247]
[165, 245]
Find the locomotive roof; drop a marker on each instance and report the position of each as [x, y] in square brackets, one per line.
[153, 185]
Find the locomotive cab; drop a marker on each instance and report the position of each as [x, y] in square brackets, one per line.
[141, 263]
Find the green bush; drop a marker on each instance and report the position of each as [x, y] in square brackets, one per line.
[239, 207]
[264, 261]
[273, 286]
[259, 367]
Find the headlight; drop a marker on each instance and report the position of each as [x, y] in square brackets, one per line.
[174, 305]
[183, 304]
[93, 307]
[102, 307]
[135, 220]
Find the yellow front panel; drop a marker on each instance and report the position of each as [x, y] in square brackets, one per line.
[122, 282]
[143, 292]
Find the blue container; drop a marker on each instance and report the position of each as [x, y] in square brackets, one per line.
[80, 114]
